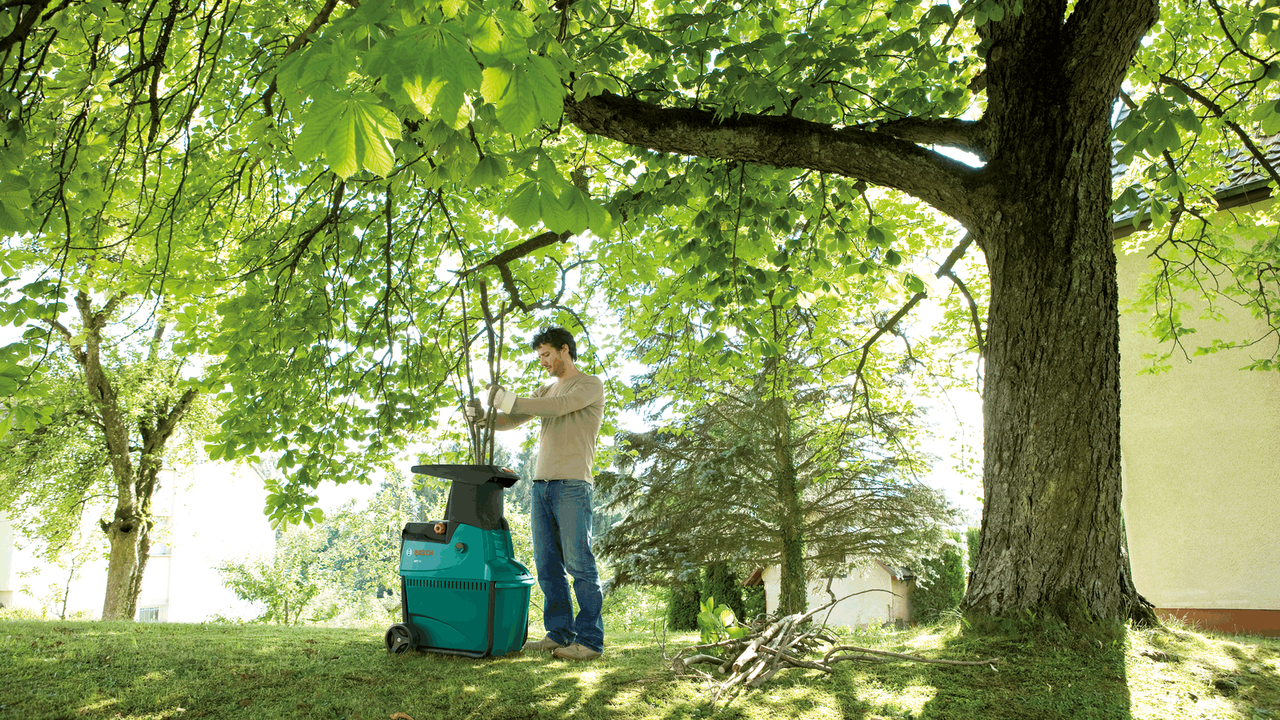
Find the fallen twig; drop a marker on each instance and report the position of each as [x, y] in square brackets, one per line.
[774, 644]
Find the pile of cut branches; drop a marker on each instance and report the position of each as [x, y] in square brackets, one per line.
[774, 644]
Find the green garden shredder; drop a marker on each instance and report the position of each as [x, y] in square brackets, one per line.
[462, 592]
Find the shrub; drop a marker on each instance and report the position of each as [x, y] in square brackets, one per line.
[683, 606]
[973, 538]
[941, 585]
[22, 613]
[754, 602]
[719, 581]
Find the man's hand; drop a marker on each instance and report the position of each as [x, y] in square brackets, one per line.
[473, 411]
[501, 399]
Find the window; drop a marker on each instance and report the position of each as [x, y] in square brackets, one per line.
[149, 614]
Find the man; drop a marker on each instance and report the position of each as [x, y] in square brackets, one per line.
[571, 409]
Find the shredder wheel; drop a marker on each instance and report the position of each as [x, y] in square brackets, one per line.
[399, 639]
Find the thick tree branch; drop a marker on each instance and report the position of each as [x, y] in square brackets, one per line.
[168, 422]
[784, 142]
[950, 132]
[299, 250]
[316, 23]
[1102, 37]
[528, 247]
[156, 59]
[61, 329]
[77, 350]
[503, 259]
[105, 399]
[303, 38]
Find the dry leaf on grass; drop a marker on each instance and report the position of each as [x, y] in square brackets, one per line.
[400, 716]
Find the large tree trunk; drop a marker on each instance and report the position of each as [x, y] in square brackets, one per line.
[1051, 525]
[1052, 537]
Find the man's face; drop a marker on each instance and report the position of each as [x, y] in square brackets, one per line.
[554, 361]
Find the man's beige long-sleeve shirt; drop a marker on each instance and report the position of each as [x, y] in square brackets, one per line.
[571, 411]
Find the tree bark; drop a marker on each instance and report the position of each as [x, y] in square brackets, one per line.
[128, 531]
[130, 538]
[1051, 527]
[879, 157]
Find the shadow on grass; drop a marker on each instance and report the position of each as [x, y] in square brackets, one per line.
[518, 685]
[103, 670]
[1191, 672]
[1254, 682]
[1046, 673]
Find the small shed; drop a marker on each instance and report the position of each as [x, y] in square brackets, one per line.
[885, 594]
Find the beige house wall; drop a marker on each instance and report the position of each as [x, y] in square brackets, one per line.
[1201, 462]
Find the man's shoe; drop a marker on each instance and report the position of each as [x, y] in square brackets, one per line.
[546, 644]
[575, 652]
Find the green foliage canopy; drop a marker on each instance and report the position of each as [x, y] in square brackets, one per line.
[327, 176]
[354, 171]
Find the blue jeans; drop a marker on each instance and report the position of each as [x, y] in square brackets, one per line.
[561, 520]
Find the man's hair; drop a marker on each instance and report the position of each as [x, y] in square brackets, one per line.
[558, 338]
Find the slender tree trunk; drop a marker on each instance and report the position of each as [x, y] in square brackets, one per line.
[792, 595]
[127, 531]
[66, 592]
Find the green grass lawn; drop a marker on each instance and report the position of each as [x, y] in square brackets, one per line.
[51, 670]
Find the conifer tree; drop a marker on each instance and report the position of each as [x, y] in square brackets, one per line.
[800, 468]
